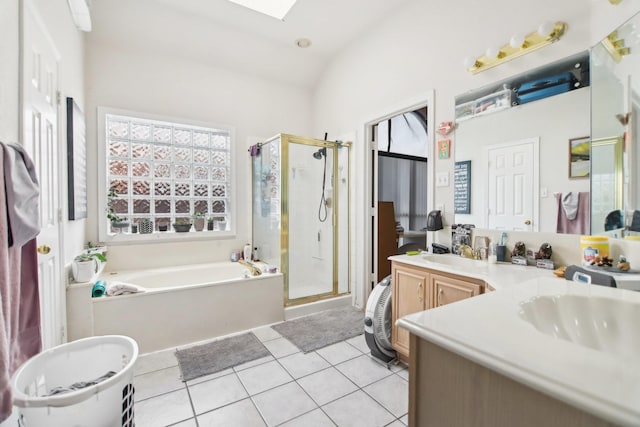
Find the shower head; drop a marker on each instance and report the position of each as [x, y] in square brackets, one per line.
[320, 153]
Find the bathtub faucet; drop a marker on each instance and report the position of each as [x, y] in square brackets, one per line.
[255, 271]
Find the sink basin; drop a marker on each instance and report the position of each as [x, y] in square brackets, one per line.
[457, 261]
[604, 324]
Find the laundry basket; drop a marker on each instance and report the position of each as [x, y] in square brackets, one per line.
[108, 403]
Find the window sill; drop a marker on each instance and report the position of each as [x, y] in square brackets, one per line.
[166, 236]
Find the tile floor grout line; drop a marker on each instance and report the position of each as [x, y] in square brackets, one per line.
[193, 408]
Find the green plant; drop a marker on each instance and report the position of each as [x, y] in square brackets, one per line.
[210, 220]
[90, 256]
[198, 215]
[111, 213]
[182, 222]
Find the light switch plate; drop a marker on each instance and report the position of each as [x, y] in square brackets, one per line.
[442, 179]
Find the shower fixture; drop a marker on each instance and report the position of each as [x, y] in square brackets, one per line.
[320, 153]
[322, 209]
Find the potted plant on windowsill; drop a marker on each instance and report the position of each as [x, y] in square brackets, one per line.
[181, 226]
[117, 222]
[85, 266]
[210, 224]
[221, 223]
[145, 225]
[198, 221]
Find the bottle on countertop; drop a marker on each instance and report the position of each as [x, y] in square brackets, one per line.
[247, 252]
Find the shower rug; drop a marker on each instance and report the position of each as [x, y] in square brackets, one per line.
[319, 330]
[216, 356]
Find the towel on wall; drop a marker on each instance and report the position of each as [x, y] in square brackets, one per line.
[23, 195]
[20, 336]
[581, 221]
[570, 205]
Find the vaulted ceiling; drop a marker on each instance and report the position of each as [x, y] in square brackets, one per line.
[225, 34]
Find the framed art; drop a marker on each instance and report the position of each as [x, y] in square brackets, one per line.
[462, 187]
[76, 161]
[444, 148]
[579, 157]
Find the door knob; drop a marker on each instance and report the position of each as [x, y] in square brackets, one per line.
[44, 249]
[527, 222]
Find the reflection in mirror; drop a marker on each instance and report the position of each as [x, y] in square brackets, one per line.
[521, 162]
[615, 125]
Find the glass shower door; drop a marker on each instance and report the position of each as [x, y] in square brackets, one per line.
[311, 219]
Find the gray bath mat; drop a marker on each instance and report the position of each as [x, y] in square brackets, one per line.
[319, 330]
[217, 356]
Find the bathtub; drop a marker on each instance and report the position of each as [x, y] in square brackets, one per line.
[181, 305]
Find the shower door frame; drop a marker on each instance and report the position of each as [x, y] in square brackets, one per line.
[285, 140]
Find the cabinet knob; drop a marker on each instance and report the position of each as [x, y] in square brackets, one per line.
[527, 222]
[440, 293]
[420, 293]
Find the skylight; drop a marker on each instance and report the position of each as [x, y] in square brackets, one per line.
[275, 8]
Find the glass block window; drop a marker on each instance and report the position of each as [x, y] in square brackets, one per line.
[167, 171]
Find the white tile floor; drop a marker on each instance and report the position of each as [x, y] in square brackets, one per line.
[339, 385]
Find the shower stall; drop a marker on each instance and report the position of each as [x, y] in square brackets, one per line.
[301, 216]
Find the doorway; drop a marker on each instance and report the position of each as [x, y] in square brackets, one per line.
[512, 186]
[371, 169]
[39, 126]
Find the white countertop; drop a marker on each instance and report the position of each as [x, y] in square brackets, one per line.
[488, 330]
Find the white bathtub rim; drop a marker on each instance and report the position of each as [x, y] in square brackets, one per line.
[156, 291]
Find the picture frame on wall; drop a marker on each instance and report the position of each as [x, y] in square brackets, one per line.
[579, 157]
[76, 161]
[444, 148]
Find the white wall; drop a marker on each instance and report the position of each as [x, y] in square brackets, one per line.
[9, 66]
[149, 82]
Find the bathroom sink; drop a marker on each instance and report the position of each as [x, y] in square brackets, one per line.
[456, 261]
[605, 324]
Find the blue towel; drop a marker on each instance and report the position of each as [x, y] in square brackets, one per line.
[98, 289]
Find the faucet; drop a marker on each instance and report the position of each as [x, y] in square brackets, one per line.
[466, 251]
[255, 271]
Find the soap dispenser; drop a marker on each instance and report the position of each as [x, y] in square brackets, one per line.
[247, 252]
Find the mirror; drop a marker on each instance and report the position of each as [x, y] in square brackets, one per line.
[521, 156]
[615, 74]
[608, 111]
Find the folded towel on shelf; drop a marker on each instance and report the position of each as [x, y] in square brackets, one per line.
[121, 288]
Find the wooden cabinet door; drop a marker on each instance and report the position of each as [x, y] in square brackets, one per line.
[409, 295]
[448, 289]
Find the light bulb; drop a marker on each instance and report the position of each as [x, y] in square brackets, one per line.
[469, 62]
[545, 29]
[517, 40]
[492, 52]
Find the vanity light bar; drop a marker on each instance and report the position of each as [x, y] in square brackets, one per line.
[615, 46]
[532, 41]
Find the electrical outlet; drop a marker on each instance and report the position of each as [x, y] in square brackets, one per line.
[442, 179]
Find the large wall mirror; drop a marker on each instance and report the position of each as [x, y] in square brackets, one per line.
[615, 106]
[567, 163]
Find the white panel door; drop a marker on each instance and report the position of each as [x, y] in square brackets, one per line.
[40, 138]
[512, 188]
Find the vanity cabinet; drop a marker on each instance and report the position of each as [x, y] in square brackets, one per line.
[447, 289]
[409, 294]
[416, 289]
